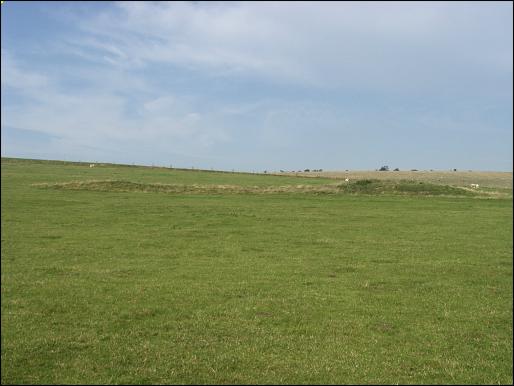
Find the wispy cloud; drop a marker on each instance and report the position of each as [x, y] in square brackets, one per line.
[369, 45]
[98, 121]
[16, 78]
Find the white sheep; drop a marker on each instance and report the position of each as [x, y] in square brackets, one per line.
[475, 186]
[346, 180]
[91, 165]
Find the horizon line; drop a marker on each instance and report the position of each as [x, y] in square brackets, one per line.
[265, 172]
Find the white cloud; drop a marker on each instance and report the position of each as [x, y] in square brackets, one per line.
[369, 45]
[99, 113]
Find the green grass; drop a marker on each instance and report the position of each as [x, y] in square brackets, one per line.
[132, 287]
[55, 171]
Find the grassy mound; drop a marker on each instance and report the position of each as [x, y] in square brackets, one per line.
[127, 186]
[367, 186]
[374, 186]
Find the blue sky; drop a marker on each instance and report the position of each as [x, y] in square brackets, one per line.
[260, 86]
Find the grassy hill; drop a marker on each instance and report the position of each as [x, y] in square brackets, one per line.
[120, 274]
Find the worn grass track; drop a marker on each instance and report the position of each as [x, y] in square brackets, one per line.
[125, 287]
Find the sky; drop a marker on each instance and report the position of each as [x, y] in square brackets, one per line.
[260, 86]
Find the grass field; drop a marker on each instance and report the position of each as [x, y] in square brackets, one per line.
[457, 178]
[129, 280]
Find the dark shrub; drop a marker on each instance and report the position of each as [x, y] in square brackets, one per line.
[364, 182]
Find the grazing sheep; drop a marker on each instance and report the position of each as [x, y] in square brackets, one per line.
[91, 165]
[475, 186]
[346, 180]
